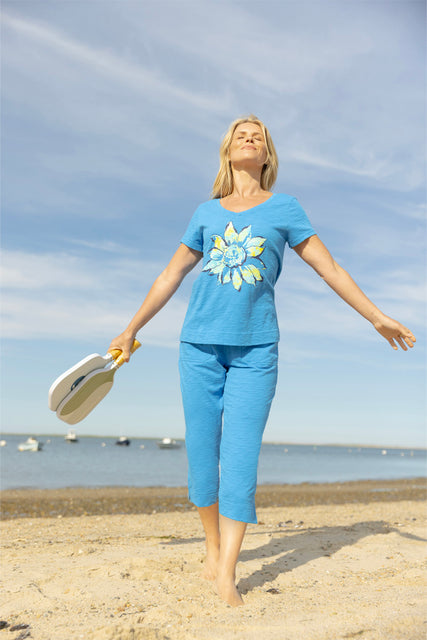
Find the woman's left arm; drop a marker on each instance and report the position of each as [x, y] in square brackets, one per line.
[314, 252]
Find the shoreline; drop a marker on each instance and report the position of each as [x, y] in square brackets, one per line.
[90, 501]
[349, 445]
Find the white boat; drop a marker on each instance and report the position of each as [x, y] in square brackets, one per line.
[3, 443]
[123, 441]
[32, 444]
[168, 443]
[71, 436]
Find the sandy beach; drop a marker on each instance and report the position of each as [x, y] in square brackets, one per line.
[324, 562]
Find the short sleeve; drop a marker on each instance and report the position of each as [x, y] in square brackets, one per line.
[299, 226]
[193, 237]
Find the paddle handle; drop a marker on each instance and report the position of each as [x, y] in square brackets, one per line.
[117, 353]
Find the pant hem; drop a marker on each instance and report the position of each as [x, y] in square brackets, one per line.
[203, 502]
[240, 515]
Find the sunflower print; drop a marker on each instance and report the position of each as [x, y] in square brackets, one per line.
[229, 257]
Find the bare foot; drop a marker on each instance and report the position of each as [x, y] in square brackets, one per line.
[210, 568]
[227, 591]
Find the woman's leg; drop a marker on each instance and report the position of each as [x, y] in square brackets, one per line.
[248, 393]
[232, 533]
[224, 539]
[210, 521]
[202, 385]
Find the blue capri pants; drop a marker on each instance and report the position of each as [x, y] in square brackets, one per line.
[227, 392]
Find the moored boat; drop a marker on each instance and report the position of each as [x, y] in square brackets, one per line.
[71, 436]
[168, 443]
[31, 444]
[123, 441]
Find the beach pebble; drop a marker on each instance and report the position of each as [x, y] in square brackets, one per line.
[23, 635]
[3, 624]
[19, 627]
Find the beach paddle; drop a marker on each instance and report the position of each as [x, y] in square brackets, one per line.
[77, 391]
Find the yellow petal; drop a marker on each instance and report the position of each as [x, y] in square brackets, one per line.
[253, 252]
[227, 277]
[247, 275]
[257, 241]
[212, 264]
[245, 232]
[219, 243]
[218, 268]
[255, 272]
[237, 280]
[230, 234]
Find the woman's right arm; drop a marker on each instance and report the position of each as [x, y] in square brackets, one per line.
[163, 288]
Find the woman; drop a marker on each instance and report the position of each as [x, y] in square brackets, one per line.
[228, 349]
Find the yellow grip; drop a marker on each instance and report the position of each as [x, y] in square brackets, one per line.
[117, 353]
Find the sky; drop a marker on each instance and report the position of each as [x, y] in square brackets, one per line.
[112, 116]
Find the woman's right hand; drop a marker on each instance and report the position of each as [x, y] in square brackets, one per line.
[123, 342]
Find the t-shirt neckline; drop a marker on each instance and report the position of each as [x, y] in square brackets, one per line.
[246, 210]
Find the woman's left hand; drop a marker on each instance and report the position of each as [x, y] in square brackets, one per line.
[394, 332]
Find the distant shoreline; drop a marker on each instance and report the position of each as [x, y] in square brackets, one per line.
[26, 434]
[62, 503]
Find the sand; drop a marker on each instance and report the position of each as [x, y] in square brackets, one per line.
[315, 567]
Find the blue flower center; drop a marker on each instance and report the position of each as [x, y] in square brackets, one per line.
[234, 256]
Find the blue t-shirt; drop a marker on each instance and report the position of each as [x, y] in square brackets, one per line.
[232, 300]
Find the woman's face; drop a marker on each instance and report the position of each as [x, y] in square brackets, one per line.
[248, 145]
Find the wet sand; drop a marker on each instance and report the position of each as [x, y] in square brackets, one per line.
[45, 503]
[324, 562]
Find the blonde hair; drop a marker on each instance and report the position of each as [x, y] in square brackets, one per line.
[224, 182]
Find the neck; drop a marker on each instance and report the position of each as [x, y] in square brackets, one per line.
[246, 183]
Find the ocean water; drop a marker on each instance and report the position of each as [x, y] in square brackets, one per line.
[98, 462]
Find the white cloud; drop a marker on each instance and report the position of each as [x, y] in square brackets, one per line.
[32, 272]
[372, 167]
[100, 245]
[56, 296]
[73, 317]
